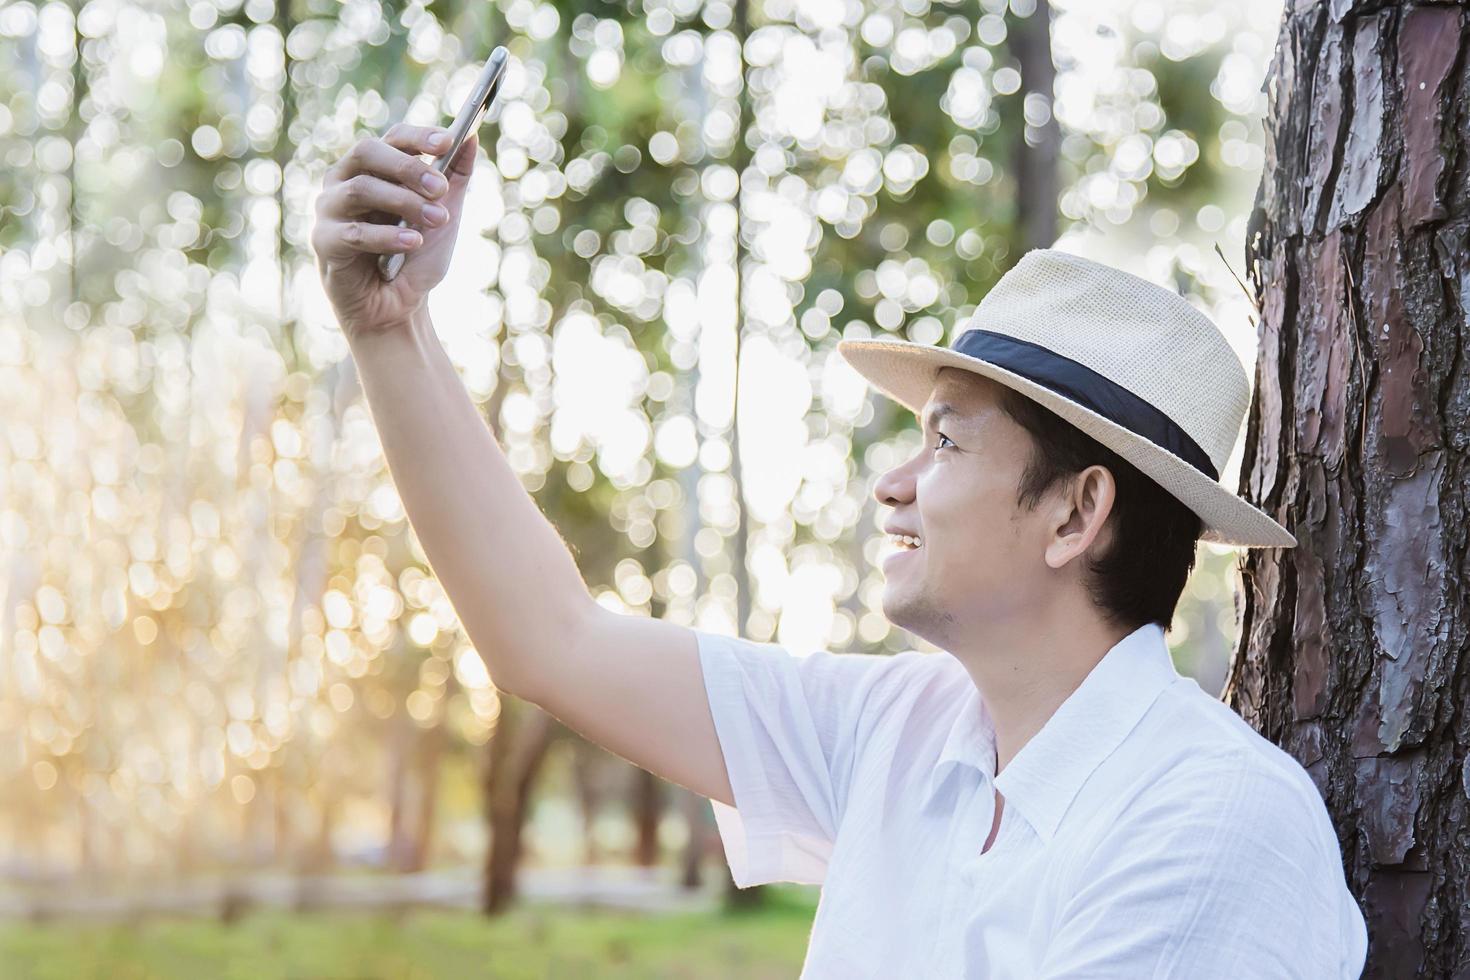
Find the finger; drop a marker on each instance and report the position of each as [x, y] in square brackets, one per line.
[418, 139]
[365, 196]
[432, 140]
[343, 240]
[375, 157]
[463, 163]
[459, 174]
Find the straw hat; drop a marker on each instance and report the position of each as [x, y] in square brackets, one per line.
[1128, 362]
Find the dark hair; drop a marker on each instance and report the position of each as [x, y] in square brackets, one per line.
[1140, 574]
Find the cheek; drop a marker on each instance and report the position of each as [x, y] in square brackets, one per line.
[975, 517]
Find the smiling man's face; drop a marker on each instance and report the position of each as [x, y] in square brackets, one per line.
[982, 556]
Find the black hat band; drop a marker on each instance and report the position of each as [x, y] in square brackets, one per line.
[1086, 387]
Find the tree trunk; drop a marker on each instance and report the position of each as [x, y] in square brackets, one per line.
[741, 897]
[415, 800]
[697, 816]
[1352, 652]
[400, 791]
[432, 749]
[518, 747]
[586, 777]
[648, 810]
[646, 791]
[319, 855]
[1039, 137]
[694, 806]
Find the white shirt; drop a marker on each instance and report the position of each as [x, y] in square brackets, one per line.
[1147, 830]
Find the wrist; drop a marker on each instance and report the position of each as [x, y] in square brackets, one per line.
[411, 330]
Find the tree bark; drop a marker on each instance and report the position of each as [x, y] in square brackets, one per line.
[1353, 645]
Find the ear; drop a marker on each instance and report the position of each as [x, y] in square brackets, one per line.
[1079, 515]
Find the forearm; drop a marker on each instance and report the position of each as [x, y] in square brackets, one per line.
[512, 581]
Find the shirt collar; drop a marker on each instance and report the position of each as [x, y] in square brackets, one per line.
[1045, 776]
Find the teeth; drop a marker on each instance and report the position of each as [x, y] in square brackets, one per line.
[907, 540]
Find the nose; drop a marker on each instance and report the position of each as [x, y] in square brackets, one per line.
[896, 487]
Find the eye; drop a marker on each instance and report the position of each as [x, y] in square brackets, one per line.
[941, 435]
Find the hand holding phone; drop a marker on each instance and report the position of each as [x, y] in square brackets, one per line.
[381, 180]
[486, 88]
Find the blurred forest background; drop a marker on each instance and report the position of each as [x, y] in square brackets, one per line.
[222, 653]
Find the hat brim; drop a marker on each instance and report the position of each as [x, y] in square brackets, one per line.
[906, 372]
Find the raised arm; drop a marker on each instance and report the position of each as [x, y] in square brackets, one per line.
[631, 684]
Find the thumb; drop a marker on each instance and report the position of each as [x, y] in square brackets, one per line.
[459, 172]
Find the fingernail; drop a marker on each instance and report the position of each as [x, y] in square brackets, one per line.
[408, 237]
[435, 215]
[435, 184]
[439, 141]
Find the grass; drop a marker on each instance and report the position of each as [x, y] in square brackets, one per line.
[534, 941]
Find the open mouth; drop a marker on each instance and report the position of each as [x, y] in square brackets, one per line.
[901, 544]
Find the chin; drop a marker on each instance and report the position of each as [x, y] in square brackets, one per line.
[902, 613]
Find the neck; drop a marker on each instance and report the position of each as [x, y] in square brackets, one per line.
[1025, 670]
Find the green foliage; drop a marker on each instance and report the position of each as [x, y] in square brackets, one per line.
[251, 617]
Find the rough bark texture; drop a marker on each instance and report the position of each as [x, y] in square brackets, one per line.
[1353, 645]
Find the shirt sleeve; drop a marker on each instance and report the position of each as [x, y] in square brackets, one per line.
[1219, 874]
[790, 729]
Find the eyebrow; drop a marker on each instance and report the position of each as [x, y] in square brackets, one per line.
[938, 411]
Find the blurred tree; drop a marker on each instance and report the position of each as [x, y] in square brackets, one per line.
[1038, 138]
[587, 776]
[1353, 646]
[645, 790]
[523, 733]
[219, 676]
[516, 752]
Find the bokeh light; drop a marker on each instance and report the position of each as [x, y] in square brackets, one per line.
[221, 643]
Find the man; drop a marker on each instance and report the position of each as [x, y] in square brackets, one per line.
[1047, 797]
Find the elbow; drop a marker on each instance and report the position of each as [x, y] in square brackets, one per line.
[543, 660]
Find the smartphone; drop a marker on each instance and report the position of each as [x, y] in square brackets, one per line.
[486, 88]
